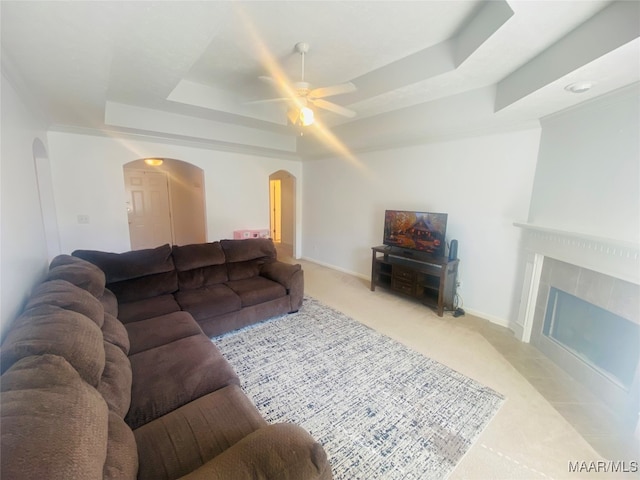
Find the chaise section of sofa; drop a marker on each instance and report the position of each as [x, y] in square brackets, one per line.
[84, 395]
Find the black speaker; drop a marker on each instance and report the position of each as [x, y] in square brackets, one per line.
[453, 250]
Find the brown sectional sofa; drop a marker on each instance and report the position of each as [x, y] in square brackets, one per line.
[224, 285]
[86, 395]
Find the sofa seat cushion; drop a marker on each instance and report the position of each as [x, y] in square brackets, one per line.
[157, 331]
[183, 440]
[148, 308]
[54, 425]
[167, 377]
[255, 290]
[209, 301]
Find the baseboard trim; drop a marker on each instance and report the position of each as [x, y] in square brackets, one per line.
[476, 313]
[491, 318]
[334, 267]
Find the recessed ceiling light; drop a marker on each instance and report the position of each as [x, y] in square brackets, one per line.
[579, 87]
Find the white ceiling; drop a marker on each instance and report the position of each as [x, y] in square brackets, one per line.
[185, 71]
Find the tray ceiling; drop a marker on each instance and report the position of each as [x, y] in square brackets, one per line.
[185, 71]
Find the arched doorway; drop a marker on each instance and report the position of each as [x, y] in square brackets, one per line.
[282, 202]
[165, 203]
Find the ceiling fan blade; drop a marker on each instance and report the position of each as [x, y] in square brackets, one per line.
[268, 80]
[333, 90]
[268, 100]
[332, 107]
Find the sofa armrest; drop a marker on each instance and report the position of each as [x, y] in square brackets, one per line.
[283, 451]
[280, 272]
[290, 276]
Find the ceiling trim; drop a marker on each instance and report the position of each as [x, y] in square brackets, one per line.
[179, 140]
[480, 26]
[614, 26]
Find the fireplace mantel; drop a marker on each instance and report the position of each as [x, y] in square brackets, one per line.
[616, 258]
[602, 272]
[612, 257]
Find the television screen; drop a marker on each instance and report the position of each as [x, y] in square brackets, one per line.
[421, 231]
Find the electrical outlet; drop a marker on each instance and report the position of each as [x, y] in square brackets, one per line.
[83, 219]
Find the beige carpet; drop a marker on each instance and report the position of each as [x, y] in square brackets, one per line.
[528, 438]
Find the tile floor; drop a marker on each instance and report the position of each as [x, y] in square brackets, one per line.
[591, 417]
[548, 420]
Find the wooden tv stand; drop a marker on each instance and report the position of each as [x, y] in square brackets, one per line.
[429, 279]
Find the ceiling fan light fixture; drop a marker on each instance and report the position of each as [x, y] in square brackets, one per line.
[301, 96]
[306, 116]
[154, 162]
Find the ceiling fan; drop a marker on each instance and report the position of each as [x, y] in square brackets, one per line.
[305, 96]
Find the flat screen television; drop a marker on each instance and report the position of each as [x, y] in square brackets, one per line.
[420, 231]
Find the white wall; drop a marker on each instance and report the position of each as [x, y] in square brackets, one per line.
[23, 246]
[483, 183]
[88, 180]
[588, 174]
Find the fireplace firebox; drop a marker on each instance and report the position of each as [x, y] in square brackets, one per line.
[587, 323]
[604, 341]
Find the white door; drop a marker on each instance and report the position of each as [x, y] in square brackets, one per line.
[148, 208]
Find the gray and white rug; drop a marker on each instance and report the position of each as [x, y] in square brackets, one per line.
[380, 409]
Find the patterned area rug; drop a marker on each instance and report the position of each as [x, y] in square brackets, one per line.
[380, 409]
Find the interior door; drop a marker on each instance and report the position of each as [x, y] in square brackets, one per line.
[148, 208]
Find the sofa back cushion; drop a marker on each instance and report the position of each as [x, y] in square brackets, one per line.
[200, 265]
[248, 249]
[78, 272]
[54, 425]
[48, 329]
[109, 302]
[246, 257]
[115, 333]
[65, 295]
[115, 383]
[135, 275]
[122, 451]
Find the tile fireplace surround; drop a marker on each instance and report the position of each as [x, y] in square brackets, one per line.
[603, 272]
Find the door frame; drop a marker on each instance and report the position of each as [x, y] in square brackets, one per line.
[288, 210]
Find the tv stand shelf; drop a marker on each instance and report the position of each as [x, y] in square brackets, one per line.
[432, 280]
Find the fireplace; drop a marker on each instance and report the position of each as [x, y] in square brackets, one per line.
[581, 307]
[606, 342]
